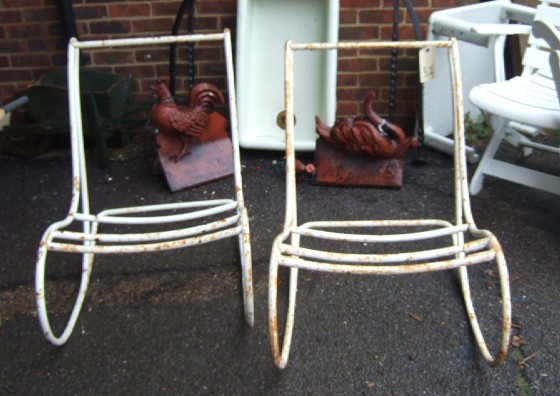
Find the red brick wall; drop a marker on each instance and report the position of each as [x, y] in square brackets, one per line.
[32, 38]
[32, 41]
[360, 72]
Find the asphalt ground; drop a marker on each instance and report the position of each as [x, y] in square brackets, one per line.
[172, 322]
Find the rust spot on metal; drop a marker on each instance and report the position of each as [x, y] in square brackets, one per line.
[86, 243]
[76, 183]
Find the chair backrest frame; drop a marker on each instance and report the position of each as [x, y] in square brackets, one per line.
[463, 213]
[551, 34]
[536, 56]
[80, 197]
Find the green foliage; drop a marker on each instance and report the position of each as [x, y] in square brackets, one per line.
[476, 129]
[523, 386]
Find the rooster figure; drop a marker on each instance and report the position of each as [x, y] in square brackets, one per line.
[185, 123]
[370, 135]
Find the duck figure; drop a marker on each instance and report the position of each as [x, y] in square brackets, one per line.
[370, 135]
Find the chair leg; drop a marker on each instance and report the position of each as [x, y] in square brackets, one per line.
[87, 265]
[506, 311]
[280, 354]
[491, 149]
[246, 269]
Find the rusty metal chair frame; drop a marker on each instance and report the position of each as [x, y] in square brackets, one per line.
[179, 217]
[468, 244]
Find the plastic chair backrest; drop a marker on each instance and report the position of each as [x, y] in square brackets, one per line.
[536, 57]
[551, 34]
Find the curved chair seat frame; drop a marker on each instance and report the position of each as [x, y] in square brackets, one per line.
[189, 223]
[467, 245]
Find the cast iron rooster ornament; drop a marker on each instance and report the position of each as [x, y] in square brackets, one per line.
[370, 135]
[184, 123]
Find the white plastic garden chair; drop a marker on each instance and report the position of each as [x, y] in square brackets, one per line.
[481, 29]
[528, 100]
[465, 244]
[213, 219]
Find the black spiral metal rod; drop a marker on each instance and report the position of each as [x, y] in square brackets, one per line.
[186, 5]
[394, 70]
[190, 47]
[394, 62]
[420, 111]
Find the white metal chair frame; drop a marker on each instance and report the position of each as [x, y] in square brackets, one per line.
[520, 107]
[481, 247]
[91, 240]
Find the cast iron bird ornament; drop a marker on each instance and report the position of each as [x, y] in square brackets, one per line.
[185, 123]
[370, 135]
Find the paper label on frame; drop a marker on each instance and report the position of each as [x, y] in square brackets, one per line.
[427, 59]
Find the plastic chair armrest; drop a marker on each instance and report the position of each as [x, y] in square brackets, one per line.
[520, 13]
[500, 28]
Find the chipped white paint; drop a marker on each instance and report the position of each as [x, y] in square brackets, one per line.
[481, 248]
[179, 216]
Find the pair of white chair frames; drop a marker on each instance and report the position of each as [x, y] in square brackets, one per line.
[464, 244]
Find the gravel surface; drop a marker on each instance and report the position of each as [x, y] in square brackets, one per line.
[172, 322]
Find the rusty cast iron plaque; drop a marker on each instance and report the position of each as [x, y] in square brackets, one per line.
[340, 168]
